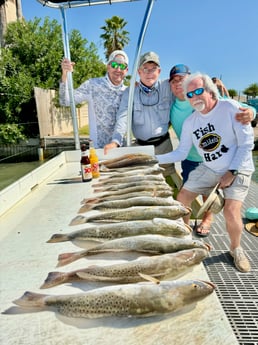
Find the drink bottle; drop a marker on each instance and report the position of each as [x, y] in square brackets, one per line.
[85, 164]
[94, 161]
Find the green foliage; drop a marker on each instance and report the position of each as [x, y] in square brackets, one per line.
[114, 36]
[251, 91]
[31, 57]
[232, 93]
[11, 134]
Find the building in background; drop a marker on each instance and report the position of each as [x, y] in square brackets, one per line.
[10, 11]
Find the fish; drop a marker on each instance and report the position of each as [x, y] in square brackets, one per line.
[147, 244]
[104, 232]
[160, 267]
[163, 193]
[131, 159]
[151, 183]
[141, 188]
[129, 171]
[136, 201]
[130, 300]
[134, 213]
[128, 179]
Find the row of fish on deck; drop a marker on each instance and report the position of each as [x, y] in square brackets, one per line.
[133, 211]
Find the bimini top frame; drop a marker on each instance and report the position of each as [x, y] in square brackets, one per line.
[79, 3]
[62, 6]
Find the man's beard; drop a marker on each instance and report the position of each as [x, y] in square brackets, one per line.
[199, 106]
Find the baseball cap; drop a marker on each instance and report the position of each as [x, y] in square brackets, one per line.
[149, 57]
[112, 56]
[179, 70]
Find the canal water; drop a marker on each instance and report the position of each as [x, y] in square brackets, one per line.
[11, 172]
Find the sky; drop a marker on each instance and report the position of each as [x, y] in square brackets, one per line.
[217, 37]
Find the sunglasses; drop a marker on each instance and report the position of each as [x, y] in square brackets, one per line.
[196, 92]
[117, 65]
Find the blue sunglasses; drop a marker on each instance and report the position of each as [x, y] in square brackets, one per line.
[196, 92]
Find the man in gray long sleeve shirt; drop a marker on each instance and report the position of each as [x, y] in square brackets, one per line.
[150, 119]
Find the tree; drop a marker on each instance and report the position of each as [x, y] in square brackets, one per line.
[232, 93]
[114, 36]
[31, 57]
[251, 91]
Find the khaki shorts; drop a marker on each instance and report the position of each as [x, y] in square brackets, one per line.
[202, 180]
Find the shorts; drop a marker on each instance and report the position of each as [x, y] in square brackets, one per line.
[187, 167]
[202, 180]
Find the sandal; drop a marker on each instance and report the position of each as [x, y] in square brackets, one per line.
[202, 230]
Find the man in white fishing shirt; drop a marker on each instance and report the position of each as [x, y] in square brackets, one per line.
[225, 146]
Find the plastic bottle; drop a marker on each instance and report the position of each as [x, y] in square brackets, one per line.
[85, 164]
[94, 160]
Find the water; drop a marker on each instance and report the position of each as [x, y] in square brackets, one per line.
[11, 172]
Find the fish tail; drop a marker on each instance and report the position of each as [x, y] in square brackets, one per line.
[85, 208]
[58, 238]
[90, 201]
[67, 258]
[78, 220]
[31, 300]
[53, 279]
[98, 190]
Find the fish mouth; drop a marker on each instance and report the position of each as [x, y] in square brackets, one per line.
[208, 246]
[209, 283]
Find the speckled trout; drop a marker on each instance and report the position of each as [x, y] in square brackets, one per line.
[147, 244]
[161, 267]
[104, 232]
[131, 159]
[129, 171]
[141, 299]
[119, 186]
[134, 213]
[128, 179]
[136, 201]
[163, 193]
[141, 188]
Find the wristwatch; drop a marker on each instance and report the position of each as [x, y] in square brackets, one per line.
[234, 172]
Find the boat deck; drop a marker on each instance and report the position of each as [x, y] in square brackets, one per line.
[44, 203]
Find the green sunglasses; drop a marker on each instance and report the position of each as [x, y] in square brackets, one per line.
[117, 65]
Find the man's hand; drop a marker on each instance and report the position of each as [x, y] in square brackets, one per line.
[226, 180]
[245, 115]
[67, 66]
[109, 147]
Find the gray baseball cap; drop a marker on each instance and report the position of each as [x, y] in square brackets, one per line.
[149, 57]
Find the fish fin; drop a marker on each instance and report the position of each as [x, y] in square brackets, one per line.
[58, 238]
[149, 278]
[78, 220]
[67, 258]
[31, 300]
[53, 279]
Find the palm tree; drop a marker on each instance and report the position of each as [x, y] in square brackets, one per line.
[251, 91]
[114, 36]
